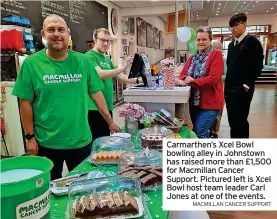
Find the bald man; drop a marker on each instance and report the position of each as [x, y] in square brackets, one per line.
[53, 85]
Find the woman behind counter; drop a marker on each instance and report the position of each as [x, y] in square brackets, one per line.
[203, 72]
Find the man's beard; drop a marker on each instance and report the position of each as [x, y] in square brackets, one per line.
[53, 48]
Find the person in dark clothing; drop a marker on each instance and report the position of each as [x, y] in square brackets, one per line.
[244, 65]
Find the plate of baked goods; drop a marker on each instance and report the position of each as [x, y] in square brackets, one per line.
[119, 198]
[107, 150]
[144, 164]
[152, 138]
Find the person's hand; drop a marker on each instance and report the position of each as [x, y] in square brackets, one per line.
[180, 82]
[32, 146]
[114, 128]
[246, 89]
[128, 63]
[189, 79]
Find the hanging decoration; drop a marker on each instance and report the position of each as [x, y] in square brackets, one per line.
[186, 34]
[192, 47]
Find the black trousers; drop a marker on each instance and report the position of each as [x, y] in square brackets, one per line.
[71, 157]
[98, 125]
[238, 105]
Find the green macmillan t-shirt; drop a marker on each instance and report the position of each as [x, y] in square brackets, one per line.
[104, 63]
[59, 92]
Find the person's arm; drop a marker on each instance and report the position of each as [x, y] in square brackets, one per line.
[23, 89]
[215, 73]
[184, 73]
[95, 85]
[26, 112]
[124, 78]
[225, 70]
[103, 74]
[255, 63]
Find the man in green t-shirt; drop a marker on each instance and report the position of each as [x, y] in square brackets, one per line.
[106, 71]
[53, 87]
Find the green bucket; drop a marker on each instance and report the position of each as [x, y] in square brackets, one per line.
[28, 198]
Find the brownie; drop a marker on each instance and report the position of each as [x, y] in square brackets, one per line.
[158, 174]
[149, 179]
[125, 169]
[157, 168]
[141, 174]
[142, 167]
[129, 173]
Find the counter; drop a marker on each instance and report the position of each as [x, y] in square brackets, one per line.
[175, 101]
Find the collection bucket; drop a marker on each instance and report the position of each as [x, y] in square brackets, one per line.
[25, 183]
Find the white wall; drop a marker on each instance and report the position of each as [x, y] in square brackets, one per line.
[154, 55]
[263, 19]
[169, 38]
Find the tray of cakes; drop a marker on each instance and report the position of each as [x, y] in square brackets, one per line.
[152, 138]
[144, 164]
[115, 197]
[107, 150]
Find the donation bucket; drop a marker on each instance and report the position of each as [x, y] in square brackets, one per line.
[25, 183]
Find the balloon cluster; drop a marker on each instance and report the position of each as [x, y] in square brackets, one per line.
[187, 34]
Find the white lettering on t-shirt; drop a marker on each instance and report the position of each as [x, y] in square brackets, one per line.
[105, 65]
[65, 78]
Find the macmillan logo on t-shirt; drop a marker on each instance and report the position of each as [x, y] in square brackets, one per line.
[105, 65]
[66, 78]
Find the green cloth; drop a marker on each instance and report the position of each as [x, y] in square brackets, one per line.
[59, 93]
[153, 199]
[104, 63]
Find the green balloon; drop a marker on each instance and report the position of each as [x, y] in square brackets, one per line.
[192, 47]
[193, 35]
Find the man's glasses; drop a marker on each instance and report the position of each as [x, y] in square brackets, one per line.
[103, 41]
[235, 25]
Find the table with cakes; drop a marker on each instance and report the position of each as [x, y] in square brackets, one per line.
[122, 178]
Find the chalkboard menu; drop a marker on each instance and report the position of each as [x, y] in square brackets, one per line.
[82, 17]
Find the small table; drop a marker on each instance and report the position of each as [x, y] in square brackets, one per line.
[174, 100]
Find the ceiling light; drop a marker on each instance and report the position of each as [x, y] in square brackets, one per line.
[267, 11]
[219, 3]
[241, 6]
[237, 13]
[217, 11]
[249, 9]
[197, 15]
[247, 12]
[218, 8]
[271, 8]
[208, 0]
[257, 1]
[216, 14]
[244, 2]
